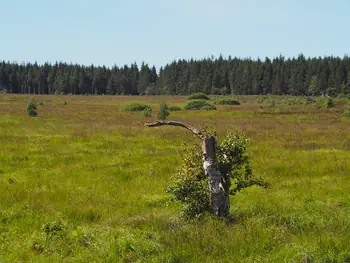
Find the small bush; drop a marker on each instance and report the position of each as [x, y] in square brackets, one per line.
[147, 112]
[190, 184]
[208, 107]
[135, 106]
[32, 108]
[325, 102]
[198, 96]
[163, 111]
[309, 100]
[174, 108]
[342, 96]
[65, 102]
[199, 105]
[347, 111]
[273, 104]
[228, 102]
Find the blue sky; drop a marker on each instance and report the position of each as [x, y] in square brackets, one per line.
[107, 32]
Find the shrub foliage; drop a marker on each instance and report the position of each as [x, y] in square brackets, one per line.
[325, 102]
[32, 108]
[147, 112]
[135, 106]
[346, 112]
[198, 96]
[228, 102]
[163, 111]
[199, 105]
[190, 184]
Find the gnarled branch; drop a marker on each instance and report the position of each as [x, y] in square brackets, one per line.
[176, 123]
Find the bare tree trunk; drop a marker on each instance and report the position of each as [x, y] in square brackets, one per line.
[220, 202]
[219, 198]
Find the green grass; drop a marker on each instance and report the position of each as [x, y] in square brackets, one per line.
[84, 182]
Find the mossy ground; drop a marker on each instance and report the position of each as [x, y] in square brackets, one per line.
[95, 177]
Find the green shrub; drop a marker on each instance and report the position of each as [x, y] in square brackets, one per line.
[208, 107]
[32, 108]
[147, 112]
[260, 100]
[228, 102]
[174, 108]
[199, 105]
[325, 102]
[135, 106]
[190, 184]
[273, 104]
[347, 111]
[342, 96]
[163, 111]
[198, 96]
[309, 100]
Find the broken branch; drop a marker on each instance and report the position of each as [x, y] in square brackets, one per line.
[176, 123]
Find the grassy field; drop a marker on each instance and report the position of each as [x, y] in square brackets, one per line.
[84, 182]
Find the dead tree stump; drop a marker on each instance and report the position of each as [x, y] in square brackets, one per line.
[220, 202]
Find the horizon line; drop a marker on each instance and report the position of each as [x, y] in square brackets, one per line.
[211, 57]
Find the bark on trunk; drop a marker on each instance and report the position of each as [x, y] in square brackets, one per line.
[219, 198]
[220, 201]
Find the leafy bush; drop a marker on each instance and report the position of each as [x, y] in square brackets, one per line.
[346, 112]
[199, 105]
[208, 107]
[163, 111]
[198, 96]
[272, 103]
[309, 100]
[228, 102]
[135, 106]
[190, 184]
[341, 96]
[174, 108]
[325, 102]
[32, 108]
[147, 112]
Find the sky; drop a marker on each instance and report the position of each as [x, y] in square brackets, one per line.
[118, 32]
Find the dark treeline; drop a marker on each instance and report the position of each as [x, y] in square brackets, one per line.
[294, 76]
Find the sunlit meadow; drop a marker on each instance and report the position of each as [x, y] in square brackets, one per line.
[84, 182]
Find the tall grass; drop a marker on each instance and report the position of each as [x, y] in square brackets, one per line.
[84, 182]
